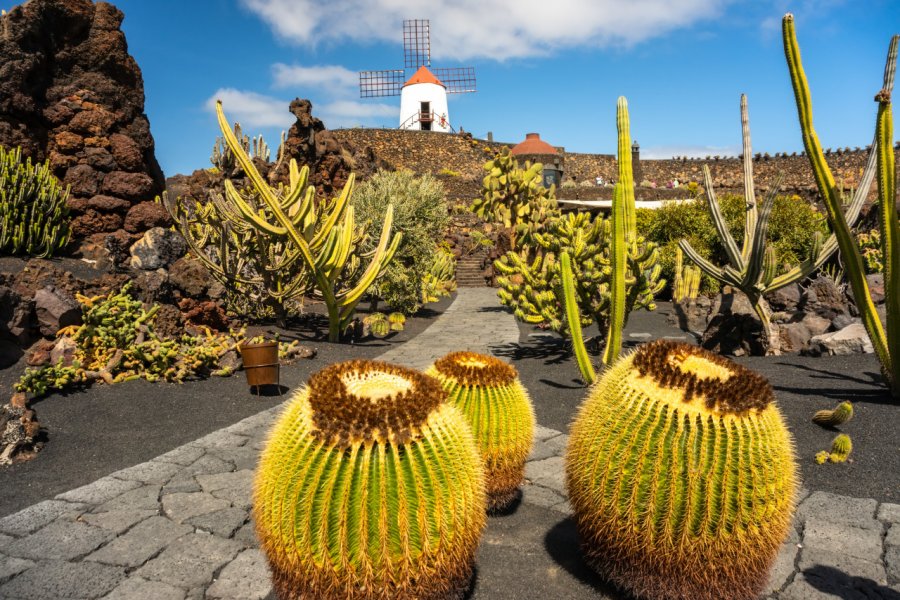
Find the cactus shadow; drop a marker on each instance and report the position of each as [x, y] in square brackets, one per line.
[870, 388]
[564, 547]
[551, 351]
[829, 580]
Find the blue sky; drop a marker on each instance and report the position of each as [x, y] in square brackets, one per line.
[551, 67]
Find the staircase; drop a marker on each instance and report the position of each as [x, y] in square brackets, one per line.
[469, 272]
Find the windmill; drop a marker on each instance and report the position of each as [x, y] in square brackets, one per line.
[423, 96]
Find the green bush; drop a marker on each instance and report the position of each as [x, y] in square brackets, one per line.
[34, 216]
[791, 228]
[420, 212]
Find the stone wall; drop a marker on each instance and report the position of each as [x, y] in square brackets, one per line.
[71, 93]
[428, 152]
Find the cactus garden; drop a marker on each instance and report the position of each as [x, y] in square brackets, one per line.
[375, 363]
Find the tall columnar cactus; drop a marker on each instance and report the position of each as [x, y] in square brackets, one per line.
[323, 239]
[687, 279]
[885, 338]
[631, 265]
[496, 405]
[681, 474]
[752, 268]
[34, 216]
[370, 486]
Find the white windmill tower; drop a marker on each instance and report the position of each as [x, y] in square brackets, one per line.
[423, 96]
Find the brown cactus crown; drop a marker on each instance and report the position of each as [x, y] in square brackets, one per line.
[362, 401]
[725, 387]
[473, 369]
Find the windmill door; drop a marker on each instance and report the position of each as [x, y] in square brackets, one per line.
[425, 115]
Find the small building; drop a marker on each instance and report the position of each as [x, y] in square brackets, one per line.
[536, 150]
[423, 103]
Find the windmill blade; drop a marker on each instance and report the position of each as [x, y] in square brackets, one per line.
[416, 43]
[377, 84]
[458, 80]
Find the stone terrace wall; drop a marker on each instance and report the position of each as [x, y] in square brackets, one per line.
[429, 152]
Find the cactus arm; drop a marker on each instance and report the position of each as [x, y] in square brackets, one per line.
[890, 232]
[617, 279]
[574, 320]
[238, 151]
[723, 275]
[850, 255]
[383, 255]
[749, 193]
[757, 262]
[734, 255]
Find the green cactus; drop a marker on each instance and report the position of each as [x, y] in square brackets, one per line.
[687, 279]
[516, 199]
[631, 265]
[323, 239]
[370, 486]
[34, 216]
[440, 280]
[839, 415]
[498, 409]
[885, 338]
[681, 475]
[377, 325]
[397, 320]
[753, 268]
[841, 447]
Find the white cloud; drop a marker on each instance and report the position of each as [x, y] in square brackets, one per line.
[333, 79]
[660, 152]
[498, 29]
[251, 109]
[348, 113]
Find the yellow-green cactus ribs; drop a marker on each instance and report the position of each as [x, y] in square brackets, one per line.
[497, 407]
[839, 415]
[681, 474]
[370, 487]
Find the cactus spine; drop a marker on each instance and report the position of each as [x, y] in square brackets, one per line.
[370, 487]
[839, 415]
[681, 475]
[885, 340]
[497, 407]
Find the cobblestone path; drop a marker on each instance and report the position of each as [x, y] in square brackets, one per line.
[179, 526]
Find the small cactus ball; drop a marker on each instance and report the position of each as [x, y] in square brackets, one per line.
[370, 487]
[497, 407]
[682, 476]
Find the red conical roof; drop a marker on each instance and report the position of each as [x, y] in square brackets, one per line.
[423, 75]
[533, 144]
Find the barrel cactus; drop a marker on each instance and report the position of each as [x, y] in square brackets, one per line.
[681, 474]
[496, 405]
[370, 486]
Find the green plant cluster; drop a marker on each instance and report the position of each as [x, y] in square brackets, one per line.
[870, 247]
[792, 227]
[116, 342]
[420, 212]
[515, 198]
[440, 279]
[34, 216]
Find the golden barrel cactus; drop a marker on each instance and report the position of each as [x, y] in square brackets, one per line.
[496, 405]
[681, 474]
[370, 486]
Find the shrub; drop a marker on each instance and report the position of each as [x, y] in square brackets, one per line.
[791, 228]
[449, 173]
[34, 216]
[420, 213]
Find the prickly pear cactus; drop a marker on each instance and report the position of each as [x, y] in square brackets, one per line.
[370, 486]
[497, 407]
[682, 476]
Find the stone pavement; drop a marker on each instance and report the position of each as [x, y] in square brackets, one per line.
[178, 527]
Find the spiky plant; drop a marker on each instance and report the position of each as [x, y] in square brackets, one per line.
[397, 320]
[380, 328]
[841, 447]
[497, 407]
[681, 474]
[839, 415]
[370, 486]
